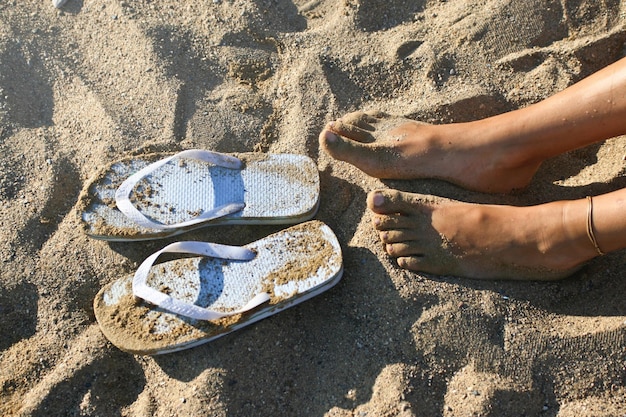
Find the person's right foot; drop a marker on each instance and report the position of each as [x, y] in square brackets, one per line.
[389, 147]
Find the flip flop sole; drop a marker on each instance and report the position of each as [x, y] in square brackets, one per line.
[275, 188]
[292, 266]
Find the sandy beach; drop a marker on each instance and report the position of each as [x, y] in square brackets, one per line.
[96, 81]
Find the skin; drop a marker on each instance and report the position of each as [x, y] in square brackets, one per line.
[499, 154]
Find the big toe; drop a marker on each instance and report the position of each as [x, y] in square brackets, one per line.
[397, 202]
[335, 145]
[359, 154]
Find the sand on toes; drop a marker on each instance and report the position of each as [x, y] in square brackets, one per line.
[88, 84]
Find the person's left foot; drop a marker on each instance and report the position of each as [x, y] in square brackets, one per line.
[447, 237]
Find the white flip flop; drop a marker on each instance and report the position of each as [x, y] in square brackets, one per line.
[156, 196]
[185, 302]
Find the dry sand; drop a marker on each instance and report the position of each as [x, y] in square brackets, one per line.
[97, 80]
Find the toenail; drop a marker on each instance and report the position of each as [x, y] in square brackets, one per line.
[330, 137]
[384, 236]
[378, 199]
[389, 248]
[377, 221]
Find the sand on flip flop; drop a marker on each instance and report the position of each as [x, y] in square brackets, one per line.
[96, 81]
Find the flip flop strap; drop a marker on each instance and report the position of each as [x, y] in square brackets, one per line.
[122, 195]
[164, 301]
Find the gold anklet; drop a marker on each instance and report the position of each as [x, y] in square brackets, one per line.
[590, 234]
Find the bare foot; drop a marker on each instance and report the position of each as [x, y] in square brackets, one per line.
[446, 237]
[479, 155]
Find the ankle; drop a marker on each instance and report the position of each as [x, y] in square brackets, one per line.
[510, 147]
[577, 220]
[498, 149]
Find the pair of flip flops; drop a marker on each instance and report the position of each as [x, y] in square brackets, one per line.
[185, 302]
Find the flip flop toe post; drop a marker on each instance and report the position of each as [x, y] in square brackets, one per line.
[185, 302]
[155, 195]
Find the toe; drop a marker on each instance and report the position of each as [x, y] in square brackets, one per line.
[392, 222]
[340, 147]
[397, 235]
[361, 119]
[376, 115]
[403, 249]
[409, 262]
[365, 156]
[412, 263]
[356, 131]
[428, 265]
[397, 202]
